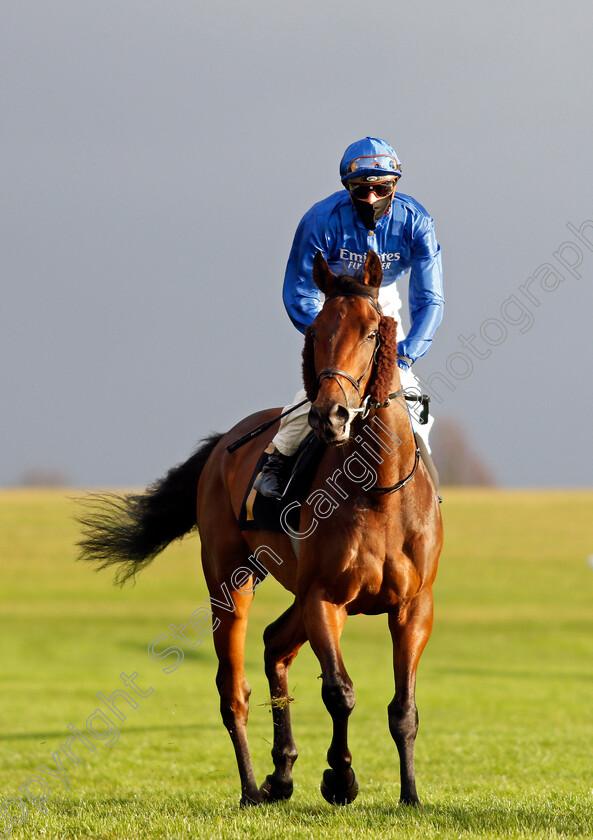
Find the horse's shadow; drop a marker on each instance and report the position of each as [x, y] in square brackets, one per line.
[50, 737]
[489, 819]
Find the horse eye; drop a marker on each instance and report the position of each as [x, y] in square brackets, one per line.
[371, 335]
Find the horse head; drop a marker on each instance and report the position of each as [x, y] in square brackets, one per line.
[350, 352]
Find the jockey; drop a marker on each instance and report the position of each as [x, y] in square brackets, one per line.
[367, 214]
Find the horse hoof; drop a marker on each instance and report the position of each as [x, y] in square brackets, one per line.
[248, 800]
[274, 791]
[335, 792]
[410, 801]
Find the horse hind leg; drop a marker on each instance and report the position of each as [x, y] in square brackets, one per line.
[229, 642]
[282, 640]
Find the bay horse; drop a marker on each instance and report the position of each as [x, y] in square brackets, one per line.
[374, 550]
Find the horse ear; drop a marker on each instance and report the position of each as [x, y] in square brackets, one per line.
[322, 273]
[372, 274]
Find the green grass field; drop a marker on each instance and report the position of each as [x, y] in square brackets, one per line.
[505, 689]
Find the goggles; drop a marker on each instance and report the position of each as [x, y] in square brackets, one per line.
[385, 163]
[381, 189]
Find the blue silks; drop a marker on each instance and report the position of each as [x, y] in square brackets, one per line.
[404, 239]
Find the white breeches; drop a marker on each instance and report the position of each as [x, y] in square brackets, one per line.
[294, 428]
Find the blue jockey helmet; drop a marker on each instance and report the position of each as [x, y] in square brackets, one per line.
[369, 158]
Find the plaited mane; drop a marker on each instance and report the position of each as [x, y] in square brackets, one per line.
[309, 375]
[384, 368]
[382, 376]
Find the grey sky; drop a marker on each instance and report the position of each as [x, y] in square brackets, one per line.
[157, 157]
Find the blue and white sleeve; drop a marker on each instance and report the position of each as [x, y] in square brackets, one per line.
[426, 300]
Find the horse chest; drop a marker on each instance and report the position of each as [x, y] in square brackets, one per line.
[368, 581]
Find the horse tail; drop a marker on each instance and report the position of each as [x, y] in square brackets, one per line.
[131, 530]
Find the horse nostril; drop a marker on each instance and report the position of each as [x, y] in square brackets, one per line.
[329, 422]
[314, 417]
[339, 415]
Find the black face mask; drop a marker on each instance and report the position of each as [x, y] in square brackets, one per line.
[371, 213]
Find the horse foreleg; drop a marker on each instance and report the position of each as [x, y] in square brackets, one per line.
[410, 631]
[282, 641]
[324, 623]
[229, 641]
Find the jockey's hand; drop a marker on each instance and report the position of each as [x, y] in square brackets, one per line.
[404, 362]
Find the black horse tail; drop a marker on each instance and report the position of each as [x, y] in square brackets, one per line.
[131, 530]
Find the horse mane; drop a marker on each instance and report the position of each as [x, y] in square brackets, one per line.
[382, 376]
[384, 368]
[309, 375]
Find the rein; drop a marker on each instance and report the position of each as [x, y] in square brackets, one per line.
[404, 481]
[366, 407]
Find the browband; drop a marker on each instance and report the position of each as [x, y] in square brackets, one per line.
[374, 303]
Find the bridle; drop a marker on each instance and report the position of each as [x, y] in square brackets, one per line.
[367, 404]
[333, 373]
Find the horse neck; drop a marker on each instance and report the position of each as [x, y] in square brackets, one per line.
[387, 441]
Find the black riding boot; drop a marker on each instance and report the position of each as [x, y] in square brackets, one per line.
[273, 478]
